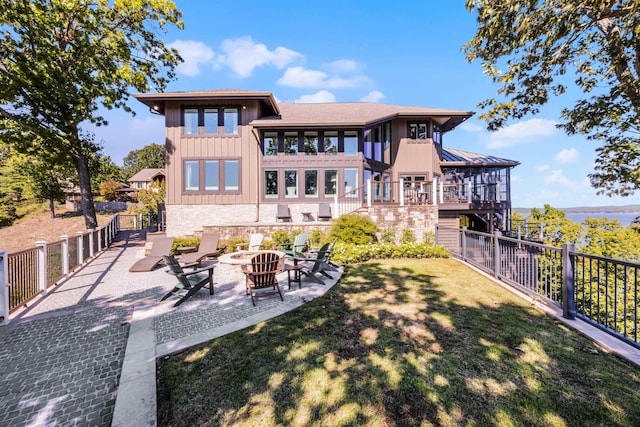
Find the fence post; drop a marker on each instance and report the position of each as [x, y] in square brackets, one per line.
[401, 192]
[497, 265]
[336, 211]
[41, 245]
[90, 231]
[369, 193]
[65, 254]
[441, 195]
[464, 243]
[568, 300]
[80, 247]
[434, 191]
[4, 288]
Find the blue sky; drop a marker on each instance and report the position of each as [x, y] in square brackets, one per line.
[403, 52]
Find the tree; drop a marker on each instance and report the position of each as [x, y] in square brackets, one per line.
[109, 189]
[60, 60]
[558, 229]
[539, 43]
[150, 156]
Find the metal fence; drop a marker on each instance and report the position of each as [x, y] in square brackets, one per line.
[598, 290]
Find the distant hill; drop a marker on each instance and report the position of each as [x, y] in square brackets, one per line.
[590, 209]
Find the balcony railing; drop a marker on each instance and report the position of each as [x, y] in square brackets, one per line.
[598, 290]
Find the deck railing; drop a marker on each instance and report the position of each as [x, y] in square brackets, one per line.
[598, 290]
[30, 272]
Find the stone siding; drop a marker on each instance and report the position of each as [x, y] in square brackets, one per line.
[415, 218]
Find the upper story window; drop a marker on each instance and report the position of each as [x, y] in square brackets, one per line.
[419, 130]
[270, 143]
[311, 143]
[351, 143]
[331, 142]
[291, 143]
[437, 134]
[210, 120]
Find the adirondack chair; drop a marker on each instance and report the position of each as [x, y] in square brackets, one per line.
[189, 282]
[297, 247]
[261, 274]
[255, 241]
[283, 213]
[310, 267]
[208, 248]
[324, 211]
[161, 246]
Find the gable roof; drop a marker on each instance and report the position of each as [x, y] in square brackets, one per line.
[356, 114]
[146, 175]
[455, 157]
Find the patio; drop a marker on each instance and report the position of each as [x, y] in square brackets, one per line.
[95, 338]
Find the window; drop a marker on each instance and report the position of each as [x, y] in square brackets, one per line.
[386, 130]
[231, 175]
[351, 143]
[210, 120]
[291, 183]
[270, 143]
[271, 184]
[367, 150]
[331, 142]
[311, 183]
[191, 121]
[310, 143]
[437, 134]
[418, 130]
[231, 121]
[330, 182]
[350, 181]
[191, 175]
[291, 143]
[211, 175]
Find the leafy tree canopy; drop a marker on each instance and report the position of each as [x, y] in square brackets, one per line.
[539, 44]
[60, 60]
[150, 156]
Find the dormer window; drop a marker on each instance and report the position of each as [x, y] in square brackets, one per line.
[418, 130]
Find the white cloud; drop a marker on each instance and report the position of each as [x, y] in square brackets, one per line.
[343, 66]
[194, 53]
[542, 168]
[373, 96]
[557, 176]
[565, 155]
[320, 96]
[301, 78]
[243, 55]
[522, 132]
[471, 127]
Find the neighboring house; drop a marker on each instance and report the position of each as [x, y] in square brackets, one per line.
[234, 155]
[146, 177]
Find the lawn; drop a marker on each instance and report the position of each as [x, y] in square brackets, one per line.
[402, 342]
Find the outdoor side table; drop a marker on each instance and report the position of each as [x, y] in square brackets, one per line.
[296, 273]
[306, 217]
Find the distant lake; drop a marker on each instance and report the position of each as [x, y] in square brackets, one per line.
[624, 218]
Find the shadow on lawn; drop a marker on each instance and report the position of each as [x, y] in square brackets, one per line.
[389, 346]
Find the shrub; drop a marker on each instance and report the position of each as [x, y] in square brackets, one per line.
[346, 253]
[388, 235]
[317, 238]
[7, 210]
[279, 237]
[408, 236]
[355, 229]
[180, 242]
[429, 237]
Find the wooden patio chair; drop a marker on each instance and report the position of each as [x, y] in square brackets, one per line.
[310, 267]
[189, 282]
[284, 214]
[296, 248]
[208, 248]
[324, 212]
[261, 274]
[161, 246]
[255, 241]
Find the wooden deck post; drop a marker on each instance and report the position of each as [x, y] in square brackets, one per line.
[401, 192]
[90, 231]
[80, 247]
[65, 254]
[41, 245]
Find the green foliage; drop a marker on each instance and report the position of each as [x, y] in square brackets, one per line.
[538, 44]
[102, 168]
[429, 238]
[150, 156]
[354, 228]
[316, 238]
[607, 238]
[148, 199]
[108, 189]
[407, 237]
[61, 60]
[280, 237]
[7, 210]
[347, 253]
[179, 242]
[388, 235]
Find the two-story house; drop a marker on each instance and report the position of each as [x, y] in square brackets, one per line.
[233, 156]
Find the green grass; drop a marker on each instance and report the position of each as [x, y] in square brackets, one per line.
[402, 342]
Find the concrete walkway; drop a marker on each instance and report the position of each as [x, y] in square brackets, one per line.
[85, 354]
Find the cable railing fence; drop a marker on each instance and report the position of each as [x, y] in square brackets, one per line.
[598, 290]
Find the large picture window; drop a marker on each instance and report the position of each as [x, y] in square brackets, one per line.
[271, 184]
[350, 182]
[330, 182]
[210, 176]
[311, 183]
[291, 183]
